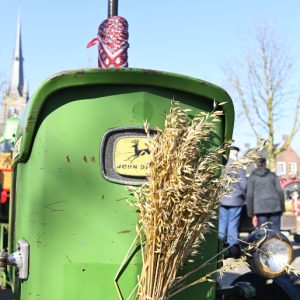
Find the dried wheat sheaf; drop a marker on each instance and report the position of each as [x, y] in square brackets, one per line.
[181, 196]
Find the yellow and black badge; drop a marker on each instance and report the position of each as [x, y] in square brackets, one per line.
[131, 156]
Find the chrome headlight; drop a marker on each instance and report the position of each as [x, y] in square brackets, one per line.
[271, 252]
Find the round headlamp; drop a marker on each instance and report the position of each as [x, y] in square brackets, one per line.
[270, 254]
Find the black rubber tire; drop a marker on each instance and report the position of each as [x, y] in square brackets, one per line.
[297, 237]
[282, 288]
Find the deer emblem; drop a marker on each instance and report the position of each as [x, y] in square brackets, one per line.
[137, 152]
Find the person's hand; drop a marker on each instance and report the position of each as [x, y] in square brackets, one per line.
[254, 221]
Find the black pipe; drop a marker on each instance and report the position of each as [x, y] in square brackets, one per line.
[112, 8]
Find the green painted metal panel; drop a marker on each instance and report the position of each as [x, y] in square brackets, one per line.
[79, 224]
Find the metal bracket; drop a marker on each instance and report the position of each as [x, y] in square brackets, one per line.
[20, 259]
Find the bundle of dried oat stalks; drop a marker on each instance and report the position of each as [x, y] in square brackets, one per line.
[180, 198]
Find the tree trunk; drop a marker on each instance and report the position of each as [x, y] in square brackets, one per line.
[272, 162]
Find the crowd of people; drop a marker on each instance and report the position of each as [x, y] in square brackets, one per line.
[260, 193]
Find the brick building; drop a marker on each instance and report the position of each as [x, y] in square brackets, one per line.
[288, 163]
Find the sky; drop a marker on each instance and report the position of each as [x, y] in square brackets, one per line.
[194, 38]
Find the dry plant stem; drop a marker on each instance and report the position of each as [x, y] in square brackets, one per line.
[180, 199]
[202, 279]
[183, 278]
[122, 265]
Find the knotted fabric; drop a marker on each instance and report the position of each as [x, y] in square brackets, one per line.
[112, 43]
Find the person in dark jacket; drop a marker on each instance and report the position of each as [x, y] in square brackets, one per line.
[232, 204]
[265, 198]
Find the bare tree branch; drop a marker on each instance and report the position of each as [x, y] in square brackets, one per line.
[256, 106]
[263, 89]
[294, 130]
[245, 108]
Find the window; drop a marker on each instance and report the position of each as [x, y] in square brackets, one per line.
[281, 168]
[292, 168]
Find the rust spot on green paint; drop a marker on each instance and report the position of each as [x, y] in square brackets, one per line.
[85, 158]
[54, 209]
[31, 119]
[68, 259]
[120, 199]
[68, 158]
[124, 231]
[80, 72]
[93, 159]
[155, 72]
[54, 203]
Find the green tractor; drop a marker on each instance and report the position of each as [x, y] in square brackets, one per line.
[70, 224]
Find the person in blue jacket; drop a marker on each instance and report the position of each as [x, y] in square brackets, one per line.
[231, 205]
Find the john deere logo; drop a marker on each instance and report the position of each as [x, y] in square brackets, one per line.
[131, 156]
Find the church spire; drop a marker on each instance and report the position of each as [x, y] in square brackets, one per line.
[17, 76]
[16, 95]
